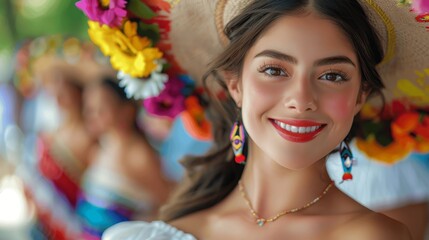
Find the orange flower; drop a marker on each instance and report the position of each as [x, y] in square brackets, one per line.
[195, 109]
[389, 154]
[412, 128]
[422, 129]
[368, 112]
[405, 125]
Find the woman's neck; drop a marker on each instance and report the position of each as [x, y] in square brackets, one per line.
[272, 188]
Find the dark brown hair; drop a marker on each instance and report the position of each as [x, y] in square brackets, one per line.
[118, 92]
[212, 177]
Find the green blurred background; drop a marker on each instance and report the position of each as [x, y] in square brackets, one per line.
[22, 19]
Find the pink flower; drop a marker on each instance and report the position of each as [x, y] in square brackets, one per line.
[421, 6]
[111, 15]
[170, 102]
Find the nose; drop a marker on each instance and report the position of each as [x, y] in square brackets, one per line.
[301, 96]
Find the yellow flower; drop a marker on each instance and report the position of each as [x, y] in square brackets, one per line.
[100, 35]
[137, 42]
[128, 52]
[140, 65]
[368, 112]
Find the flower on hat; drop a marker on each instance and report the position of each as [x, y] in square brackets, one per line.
[135, 57]
[170, 102]
[423, 18]
[134, 34]
[412, 129]
[421, 6]
[137, 43]
[109, 12]
[128, 52]
[130, 45]
[197, 112]
[399, 130]
[143, 88]
[389, 154]
[415, 90]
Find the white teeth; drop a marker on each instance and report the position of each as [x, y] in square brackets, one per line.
[296, 129]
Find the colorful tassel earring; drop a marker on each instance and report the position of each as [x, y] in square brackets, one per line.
[237, 138]
[347, 161]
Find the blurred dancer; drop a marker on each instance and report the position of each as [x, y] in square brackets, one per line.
[125, 180]
[63, 154]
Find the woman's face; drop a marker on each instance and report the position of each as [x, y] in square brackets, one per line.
[101, 109]
[299, 90]
[68, 95]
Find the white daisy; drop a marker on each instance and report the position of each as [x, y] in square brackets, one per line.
[142, 88]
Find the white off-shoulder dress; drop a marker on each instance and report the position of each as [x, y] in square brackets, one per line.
[139, 230]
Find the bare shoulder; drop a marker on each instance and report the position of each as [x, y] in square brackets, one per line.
[142, 161]
[140, 155]
[140, 148]
[193, 223]
[373, 226]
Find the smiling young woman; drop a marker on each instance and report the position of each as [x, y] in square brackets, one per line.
[296, 74]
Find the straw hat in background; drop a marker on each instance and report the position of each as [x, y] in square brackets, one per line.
[49, 68]
[71, 58]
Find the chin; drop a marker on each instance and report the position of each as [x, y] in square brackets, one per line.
[298, 161]
[296, 166]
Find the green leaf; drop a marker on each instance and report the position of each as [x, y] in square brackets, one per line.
[140, 9]
[150, 31]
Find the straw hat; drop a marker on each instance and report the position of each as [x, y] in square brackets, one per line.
[47, 68]
[70, 57]
[197, 37]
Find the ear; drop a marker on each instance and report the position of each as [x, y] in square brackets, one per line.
[234, 86]
[363, 95]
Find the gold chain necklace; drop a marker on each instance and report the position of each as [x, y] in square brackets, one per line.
[261, 221]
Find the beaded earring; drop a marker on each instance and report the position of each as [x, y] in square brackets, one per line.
[347, 161]
[238, 138]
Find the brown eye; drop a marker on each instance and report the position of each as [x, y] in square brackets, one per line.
[271, 71]
[333, 77]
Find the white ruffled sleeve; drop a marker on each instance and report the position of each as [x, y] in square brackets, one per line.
[381, 186]
[156, 230]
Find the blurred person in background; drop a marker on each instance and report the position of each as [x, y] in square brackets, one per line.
[125, 179]
[63, 153]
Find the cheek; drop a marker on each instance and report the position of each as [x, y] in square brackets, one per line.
[105, 117]
[257, 95]
[341, 106]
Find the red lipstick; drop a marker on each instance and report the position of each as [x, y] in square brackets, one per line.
[293, 133]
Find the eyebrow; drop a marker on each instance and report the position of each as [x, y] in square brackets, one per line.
[277, 55]
[334, 60]
[320, 62]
